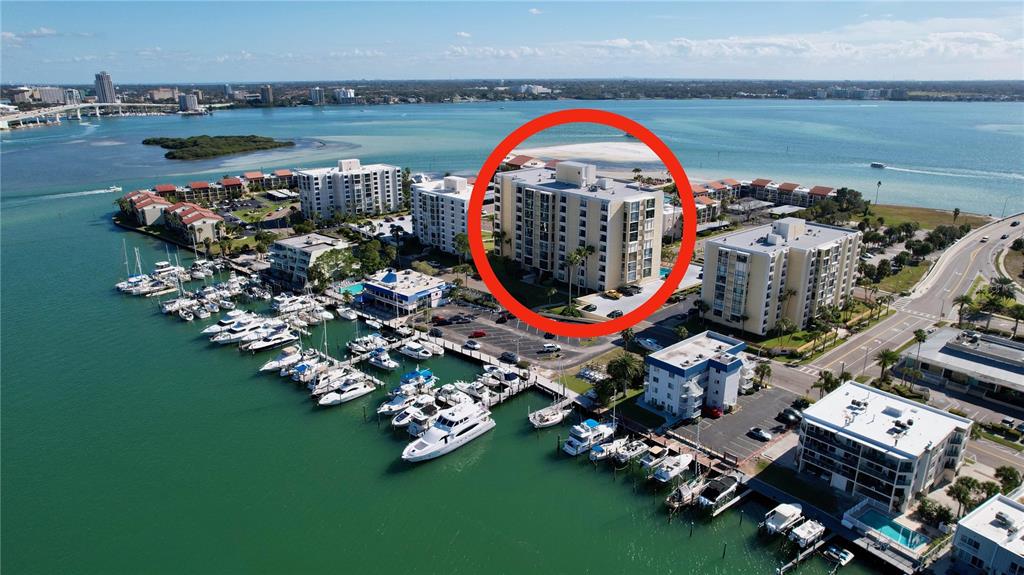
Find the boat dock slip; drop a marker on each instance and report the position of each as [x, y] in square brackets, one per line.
[334, 362]
[365, 356]
[805, 553]
[732, 502]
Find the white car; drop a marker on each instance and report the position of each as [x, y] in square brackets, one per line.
[472, 344]
[551, 348]
[758, 433]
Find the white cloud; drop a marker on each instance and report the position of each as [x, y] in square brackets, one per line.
[463, 34]
[535, 11]
[491, 52]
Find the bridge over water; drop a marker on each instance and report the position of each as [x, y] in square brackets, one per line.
[53, 114]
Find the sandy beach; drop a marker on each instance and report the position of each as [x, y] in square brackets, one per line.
[613, 152]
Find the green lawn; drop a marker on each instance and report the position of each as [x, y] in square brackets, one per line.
[629, 409]
[816, 493]
[529, 295]
[1001, 440]
[928, 218]
[268, 207]
[906, 279]
[1014, 263]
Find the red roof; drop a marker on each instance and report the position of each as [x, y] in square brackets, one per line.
[196, 215]
[283, 173]
[253, 175]
[760, 182]
[706, 200]
[164, 188]
[730, 182]
[551, 163]
[717, 185]
[150, 200]
[822, 191]
[180, 205]
[788, 186]
[199, 185]
[231, 182]
[519, 160]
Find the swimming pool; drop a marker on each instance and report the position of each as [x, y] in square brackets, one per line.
[665, 272]
[903, 535]
[354, 289]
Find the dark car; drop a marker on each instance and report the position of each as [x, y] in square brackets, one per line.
[549, 335]
[434, 332]
[787, 418]
[438, 318]
[460, 319]
[509, 357]
[793, 413]
[589, 307]
[615, 313]
[501, 319]
[478, 333]
[1014, 223]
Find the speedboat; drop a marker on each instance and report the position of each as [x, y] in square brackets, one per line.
[347, 313]
[838, 555]
[653, 458]
[186, 314]
[202, 313]
[422, 418]
[672, 467]
[415, 382]
[226, 322]
[305, 371]
[781, 518]
[603, 451]
[173, 305]
[381, 360]
[374, 324]
[632, 450]
[879, 165]
[648, 343]
[415, 350]
[585, 435]
[227, 304]
[287, 357]
[454, 428]
[404, 418]
[396, 405]
[549, 416]
[477, 391]
[450, 396]
[351, 389]
[404, 331]
[366, 344]
[276, 339]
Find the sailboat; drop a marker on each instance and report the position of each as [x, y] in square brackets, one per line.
[553, 414]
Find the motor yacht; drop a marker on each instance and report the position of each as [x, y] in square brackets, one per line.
[807, 533]
[366, 344]
[276, 339]
[381, 360]
[717, 491]
[374, 324]
[549, 416]
[603, 451]
[351, 389]
[225, 323]
[653, 458]
[202, 313]
[347, 313]
[415, 350]
[672, 467]
[287, 357]
[585, 435]
[404, 418]
[450, 396]
[454, 428]
[780, 519]
[186, 314]
[632, 450]
[236, 332]
[395, 405]
[422, 418]
[477, 391]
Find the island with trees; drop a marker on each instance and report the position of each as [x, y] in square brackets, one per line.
[202, 147]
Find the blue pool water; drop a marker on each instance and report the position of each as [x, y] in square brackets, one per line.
[354, 289]
[665, 272]
[898, 533]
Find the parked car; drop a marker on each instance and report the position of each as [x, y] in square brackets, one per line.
[612, 294]
[786, 418]
[1014, 223]
[1008, 421]
[460, 319]
[793, 412]
[478, 333]
[758, 433]
[550, 348]
[472, 344]
[615, 313]
[589, 307]
[549, 335]
[434, 332]
[509, 357]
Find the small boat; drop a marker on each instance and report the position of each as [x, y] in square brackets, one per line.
[366, 344]
[684, 494]
[202, 313]
[585, 435]
[404, 418]
[450, 396]
[381, 360]
[632, 450]
[114, 189]
[273, 340]
[186, 314]
[454, 428]
[717, 492]
[650, 344]
[374, 324]
[879, 165]
[422, 419]
[415, 350]
[549, 416]
[404, 331]
[477, 391]
[433, 348]
[287, 357]
[807, 533]
[227, 304]
[347, 313]
[396, 405]
[672, 467]
[837, 554]
[603, 451]
[350, 390]
[653, 458]
[781, 518]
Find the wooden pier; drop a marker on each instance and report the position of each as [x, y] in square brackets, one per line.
[805, 553]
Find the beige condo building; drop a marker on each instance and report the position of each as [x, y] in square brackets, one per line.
[789, 268]
[544, 214]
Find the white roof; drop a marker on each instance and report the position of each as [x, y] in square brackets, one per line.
[405, 282]
[881, 419]
[1000, 520]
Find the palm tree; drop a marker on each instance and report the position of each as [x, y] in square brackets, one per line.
[763, 371]
[702, 308]
[956, 214]
[1016, 313]
[571, 261]
[681, 332]
[626, 368]
[992, 305]
[886, 358]
[628, 336]
[207, 244]
[1001, 287]
[963, 301]
[826, 383]
[920, 336]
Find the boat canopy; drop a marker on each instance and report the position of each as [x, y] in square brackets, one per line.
[591, 423]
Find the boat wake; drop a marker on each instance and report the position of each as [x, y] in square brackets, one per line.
[25, 200]
[958, 173]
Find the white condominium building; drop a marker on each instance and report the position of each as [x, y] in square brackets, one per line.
[874, 444]
[790, 268]
[990, 539]
[350, 189]
[291, 258]
[439, 211]
[544, 214]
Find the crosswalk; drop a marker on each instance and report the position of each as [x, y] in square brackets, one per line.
[901, 305]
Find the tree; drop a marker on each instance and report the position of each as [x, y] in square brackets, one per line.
[571, 261]
[1001, 287]
[991, 305]
[962, 491]
[330, 266]
[886, 358]
[763, 371]
[681, 332]
[988, 489]
[207, 244]
[628, 336]
[964, 302]
[920, 336]
[702, 308]
[461, 242]
[1016, 313]
[225, 246]
[1009, 478]
[956, 214]
[826, 383]
[605, 390]
[628, 369]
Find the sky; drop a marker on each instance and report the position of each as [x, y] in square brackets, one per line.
[200, 42]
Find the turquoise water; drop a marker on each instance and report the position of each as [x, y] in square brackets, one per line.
[132, 445]
[888, 527]
[665, 272]
[354, 289]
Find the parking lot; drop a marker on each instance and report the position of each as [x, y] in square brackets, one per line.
[511, 336]
[729, 432]
[629, 303]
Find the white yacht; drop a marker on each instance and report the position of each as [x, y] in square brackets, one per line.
[649, 343]
[717, 492]
[306, 371]
[603, 451]
[236, 332]
[367, 343]
[351, 389]
[478, 391]
[781, 518]
[672, 467]
[396, 405]
[422, 419]
[380, 359]
[806, 533]
[347, 313]
[549, 416]
[415, 350]
[454, 428]
[450, 396]
[404, 331]
[287, 357]
[202, 313]
[276, 339]
[632, 450]
[226, 322]
[186, 314]
[653, 458]
[375, 324]
[404, 418]
[585, 435]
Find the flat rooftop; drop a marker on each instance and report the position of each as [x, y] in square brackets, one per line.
[1004, 530]
[697, 349]
[986, 357]
[761, 238]
[437, 187]
[312, 242]
[544, 179]
[404, 282]
[870, 416]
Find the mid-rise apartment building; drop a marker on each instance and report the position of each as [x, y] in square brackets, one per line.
[350, 188]
[104, 88]
[439, 211]
[789, 268]
[544, 214]
[291, 258]
[990, 539]
[866, 442]
[705, 371]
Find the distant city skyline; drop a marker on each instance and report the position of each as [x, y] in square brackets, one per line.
[202, 42]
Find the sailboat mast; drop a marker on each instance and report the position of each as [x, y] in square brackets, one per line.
[127, 268]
